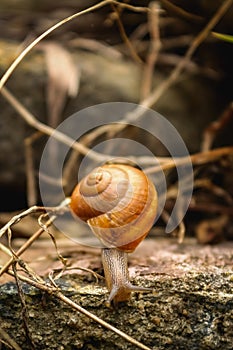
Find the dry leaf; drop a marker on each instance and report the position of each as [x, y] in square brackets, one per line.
[63, 79]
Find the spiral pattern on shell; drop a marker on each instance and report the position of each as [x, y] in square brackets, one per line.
[118, 202]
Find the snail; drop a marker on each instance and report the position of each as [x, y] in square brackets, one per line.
[119, 203]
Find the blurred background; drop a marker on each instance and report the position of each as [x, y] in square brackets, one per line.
[103, 56]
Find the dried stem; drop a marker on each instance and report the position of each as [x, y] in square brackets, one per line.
[59, 24]
[124, 36]
[166, 162]
[211, 208]
[95, 46]
[25, 246]
[137, 112]
[215, 189]
[196, 159]
[211, 131]
[35, 209]
[117, 331]
[30, 168]
[24, 312]
[6, 339]
[155, 44]
[47, 130]
[158, 92]
[51, 290]
[6, 250]
[181, 12]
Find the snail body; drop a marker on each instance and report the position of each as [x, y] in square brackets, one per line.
[119, 203]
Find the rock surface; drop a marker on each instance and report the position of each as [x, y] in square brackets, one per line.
[191, 306]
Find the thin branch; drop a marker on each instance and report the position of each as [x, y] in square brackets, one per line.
[51, 290]
[17, 218]
[6, 250]
[95, 46]
[24, 312]
[30, 168]
[60, 271]
[196, 159]
[8, 340]
[25, 246]
[191, 66]
[125, 38]
[216, 126]
[46, 229]
[34, 209]
[166, 162]
[177, 41]
[60, 208]
[59, 24]
[35, 236]
[32, 121]
[166, 84]
[214, 189]
[168, 5]
[155, 44]
[138, 111]
[51, 180]
[211, 208]
[101, 322]
[158, 92]
[42, 36]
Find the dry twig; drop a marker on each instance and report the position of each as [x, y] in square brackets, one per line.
[24, 312]
[6, 339]
[181, 12]
[216, 126]
[199, 158]
[93, 45]
[47, 130]
[158, 92]
[155, 44]
[196, 159]
[16, 62]
[137, 113]
[30, 168]
[54, 291]
[35, 209]
[32, 239]
[166, 162]
[124, 36]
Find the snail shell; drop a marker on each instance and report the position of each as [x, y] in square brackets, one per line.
[118, 202]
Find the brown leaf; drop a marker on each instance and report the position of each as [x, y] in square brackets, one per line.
[63, 79]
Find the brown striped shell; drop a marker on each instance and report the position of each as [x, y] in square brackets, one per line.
[118, 202]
